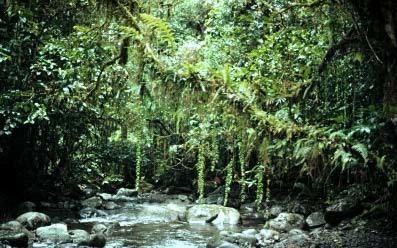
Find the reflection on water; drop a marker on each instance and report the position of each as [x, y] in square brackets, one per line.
[145, 226]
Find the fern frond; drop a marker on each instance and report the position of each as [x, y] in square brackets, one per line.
[362, 150]
[161, 27]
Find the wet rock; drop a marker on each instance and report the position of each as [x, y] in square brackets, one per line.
[158, 212]
[105, 196]
[33, 220]
[275, 211]
[215, 214]
[93, 202]
[215, 197]
[127, 192]
[286, 221]
[111, 228]
[146, 187]
[179, 209]
[267, 234]
[96, 240]
[217, 243]
[346, 205]
[88, 191]
[315, 219]
[340, 210]
[79, 236]
[183, 198]
[122, 198]
[12, 225]
[91, 212]
[243, 240]
[99, 228]
[250, 232]
[295, 241]
[299, 208]
[16, 226]
[111, 205]
[13, 238]
[57, 233]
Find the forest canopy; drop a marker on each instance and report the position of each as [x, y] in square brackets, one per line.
[257, 95]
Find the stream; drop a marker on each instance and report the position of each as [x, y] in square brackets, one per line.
[148, 225]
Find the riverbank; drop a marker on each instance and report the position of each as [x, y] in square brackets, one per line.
[155, 219]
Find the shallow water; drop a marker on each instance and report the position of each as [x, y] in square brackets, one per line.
[144, 225]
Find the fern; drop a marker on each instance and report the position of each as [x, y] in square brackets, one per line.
[362, 150]
[343, 159]
[160, 26]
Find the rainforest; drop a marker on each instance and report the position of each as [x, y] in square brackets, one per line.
[198, 123]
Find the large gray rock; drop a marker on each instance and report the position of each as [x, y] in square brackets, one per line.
[12, 225]
[91, 212]
[33, 220]
[16, 226]
[208, 213]
[295, 241]
[79, 236]
[180, 209]
[13, 238]
[96, 240]
[127, 192]
[111, 205]
[286, 221]
[105, 196]
[243, 240]
[57, 233]
[267, 234]
[93, 202]
[158, 213]
[99, 228]
[315, 219]
[340, 210]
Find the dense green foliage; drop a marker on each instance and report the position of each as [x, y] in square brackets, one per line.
[247, 94]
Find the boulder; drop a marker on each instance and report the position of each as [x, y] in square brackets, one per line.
[178, 208]
[99, 228]
[92, 202]
[267, 234]
[33, 220]
[219, 243]
[12, 225]
[341, 209]
[91, 212]
[79, 236]
[275, 211]
[243, 240]
[111, 206]
[127, 192]
[159, 213]
[208, 213]
[250, 231]
[105, 196]
[16, 226]
[96, 240]
[183, 198]
[286, 221]
[13, 238]
[57, 233]
[295, 241]
[315, 219]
